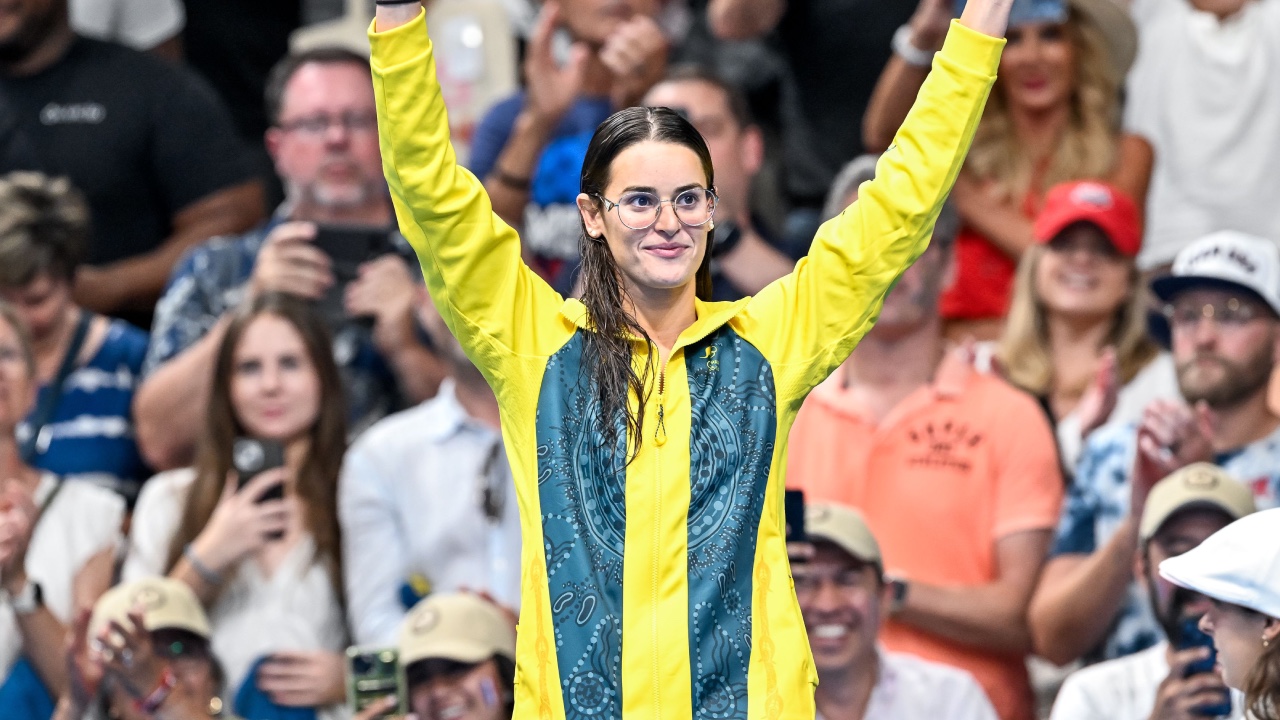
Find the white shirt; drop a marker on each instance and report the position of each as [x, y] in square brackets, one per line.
[1121, 689]
[913, 689]
[81, 521]
[294, 609]
[410, 504]
[1204, 92]
[140, 24]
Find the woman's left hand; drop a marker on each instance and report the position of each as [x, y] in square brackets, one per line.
[130, 656]
[304, 678]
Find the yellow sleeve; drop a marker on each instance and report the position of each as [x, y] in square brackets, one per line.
[492, 302]
[808, 322]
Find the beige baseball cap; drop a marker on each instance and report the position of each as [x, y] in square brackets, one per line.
[1196, 485]
[167, 605]
[843, 526]
[457, 626]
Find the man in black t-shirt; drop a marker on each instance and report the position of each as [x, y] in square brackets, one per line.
[148, 142]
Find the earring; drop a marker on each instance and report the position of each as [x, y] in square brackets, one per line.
[1265, 641]
[713, 225]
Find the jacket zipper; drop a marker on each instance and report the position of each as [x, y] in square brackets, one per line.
[659, 439]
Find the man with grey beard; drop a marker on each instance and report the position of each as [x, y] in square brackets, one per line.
[324, 141]
[1221, 316]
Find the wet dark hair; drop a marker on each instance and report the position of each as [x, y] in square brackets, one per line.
[608, 351]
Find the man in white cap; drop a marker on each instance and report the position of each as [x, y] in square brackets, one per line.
[1222, 317]
[1239, 569]
[845, 600]
[1181, 512]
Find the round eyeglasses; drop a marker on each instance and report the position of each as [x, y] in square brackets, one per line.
[639, 210]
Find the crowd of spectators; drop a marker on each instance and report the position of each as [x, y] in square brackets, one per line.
[1017, 477]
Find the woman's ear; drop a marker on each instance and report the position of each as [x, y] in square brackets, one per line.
[592, 215]
[1271, 631]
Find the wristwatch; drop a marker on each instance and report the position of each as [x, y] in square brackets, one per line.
[27, 600]
[898, 599]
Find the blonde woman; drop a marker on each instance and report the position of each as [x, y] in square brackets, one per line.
[1053, 117]
[1076, 336]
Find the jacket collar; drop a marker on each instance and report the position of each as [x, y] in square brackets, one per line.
[711, 316]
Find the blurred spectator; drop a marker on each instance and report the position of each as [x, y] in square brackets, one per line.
[87, 365]
[529, 148]
[459, 658]
[325, 143]
[268, 569]
[845, 601]
[1182, 510]
[1077, 337]
[1222, 310]
[1238, 567]
[744, 260]
[914, 438]
[153, 25]
[57, 546]
[146, 141]
[426, 502]
[1053, 117]
[143, 636]
[835, 49]
[1203, 92]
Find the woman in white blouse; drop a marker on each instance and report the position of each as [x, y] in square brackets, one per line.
[268, 570]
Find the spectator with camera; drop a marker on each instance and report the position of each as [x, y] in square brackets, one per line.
[458, 652]
[529, 148]
[1173, 679]
[1054, 116]
[1238, 568]
[845, 600]
[325, 144]
[908, 432]
[426, 501]
[1076, 336]
[142, 654]
[147, 142]
[1222, 318]
[57, 544]
[87, 365]
[744, 259]
[252, 527]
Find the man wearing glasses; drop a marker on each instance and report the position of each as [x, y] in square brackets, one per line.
[324, 142]
[1221, 316]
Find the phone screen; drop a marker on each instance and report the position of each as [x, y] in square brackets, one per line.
[348, 247]
[793, 508]
[1191, 636]
[373, 674]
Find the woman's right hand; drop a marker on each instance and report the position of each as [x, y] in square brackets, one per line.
[240, 525]
[551, 89]
[989, 17]
[930, 22]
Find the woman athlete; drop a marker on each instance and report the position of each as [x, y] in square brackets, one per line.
[646, 428]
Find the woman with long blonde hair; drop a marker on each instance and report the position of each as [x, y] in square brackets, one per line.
[1076, 336]
[1053, 117]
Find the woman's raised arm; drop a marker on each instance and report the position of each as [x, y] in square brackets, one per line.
[470, 257]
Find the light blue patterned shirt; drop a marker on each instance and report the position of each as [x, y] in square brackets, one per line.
[1098, 501]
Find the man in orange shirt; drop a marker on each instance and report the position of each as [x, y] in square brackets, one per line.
[955, 471]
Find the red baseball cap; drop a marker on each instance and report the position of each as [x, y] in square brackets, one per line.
[1095, 203]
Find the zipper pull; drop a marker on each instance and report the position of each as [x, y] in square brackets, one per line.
[660, 432]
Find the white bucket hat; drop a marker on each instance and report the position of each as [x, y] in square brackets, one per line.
[1239, 564]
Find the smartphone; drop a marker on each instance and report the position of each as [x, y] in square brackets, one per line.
[373, 674]
[793, 510]
[348, 247]
[252, 457]
[1191, 636]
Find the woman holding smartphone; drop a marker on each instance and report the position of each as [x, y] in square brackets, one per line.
[263, 556]
[646, 427]
[1238, 568]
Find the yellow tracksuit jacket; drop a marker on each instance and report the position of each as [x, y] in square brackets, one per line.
[661, 589]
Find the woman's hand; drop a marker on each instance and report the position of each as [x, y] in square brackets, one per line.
[85, 668]
[129, 655]
[380, 708]
[930, 22]
[304, 679]
[240, 524]
[1099, 400]
[18, 515]
[989, 17]
[551, 89]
